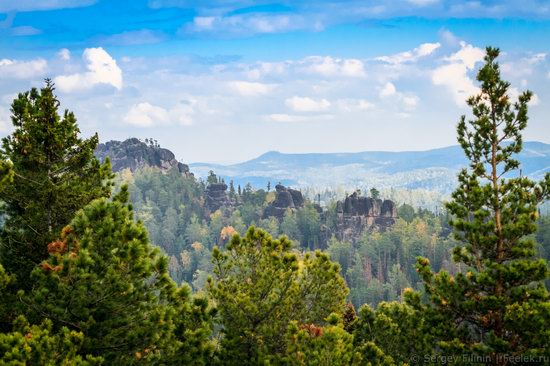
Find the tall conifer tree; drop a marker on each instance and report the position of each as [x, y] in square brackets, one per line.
[497, 305]
[55, 174]
[105, 279]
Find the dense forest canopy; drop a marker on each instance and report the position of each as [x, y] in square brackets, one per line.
[154, 266]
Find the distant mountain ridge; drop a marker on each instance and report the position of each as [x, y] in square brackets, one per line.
[434, 169]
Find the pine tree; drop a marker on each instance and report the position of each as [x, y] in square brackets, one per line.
[38, 345]
[55, 174]
[212, 177]
[231, 189]
[309, 344]
[497, 306]
[105, 279]
[398, 330]
[260, 285]
[6, 173]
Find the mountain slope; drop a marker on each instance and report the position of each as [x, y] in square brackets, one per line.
[431, 169]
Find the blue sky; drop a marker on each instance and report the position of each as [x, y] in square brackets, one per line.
[227, 80]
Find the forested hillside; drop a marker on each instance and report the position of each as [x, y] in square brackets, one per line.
[154, 266]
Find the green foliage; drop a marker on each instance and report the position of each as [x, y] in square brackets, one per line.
[498, 303]
[309, 344]
[38, 345]
[8, 303]
[103, 278]
[308, 221]
[382, 264]
[6, 173]
[406, 212]
[212, 178]
[54, 174]
[543, 237]
[260, 285]
[397, 329]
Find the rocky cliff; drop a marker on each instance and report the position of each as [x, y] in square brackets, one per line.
[217, 197]
[357, 213]
[285, 198]
[133, 154]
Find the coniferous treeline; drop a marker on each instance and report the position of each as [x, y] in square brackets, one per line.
[82, 284]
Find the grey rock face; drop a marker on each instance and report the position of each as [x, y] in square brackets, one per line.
[216, 196]
[356, 213]
[285, 198]
[134, 154]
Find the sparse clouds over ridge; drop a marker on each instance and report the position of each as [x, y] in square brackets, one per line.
[418, 86]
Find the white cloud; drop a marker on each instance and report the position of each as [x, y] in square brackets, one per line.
[249, 89]
[524, 66]
[423, 2]
[329, 66]
[292, 118]
[204, 22]
[183, 113]
[423, 50]
[514, 93]
[267, 68]
[25, 30]
[467, 55]
[102, 69]
[387, 90]
[536, 58]
[454, 75]
[410, 102]
[305, 104]
[22, 69]
[31, 5]
[448, 38]
[132, 38]
[534, 100]
[406, 101]
[5, 123]
[349, 105]
[249, 24]
[64, 54]
[147, 115]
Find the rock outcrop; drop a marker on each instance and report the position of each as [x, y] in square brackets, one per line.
[357, 213]
[216, 196]
[285, 198]
[134, 154]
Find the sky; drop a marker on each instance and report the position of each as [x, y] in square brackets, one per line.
[227, 80]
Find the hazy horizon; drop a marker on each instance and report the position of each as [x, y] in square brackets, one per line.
[221, 162]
